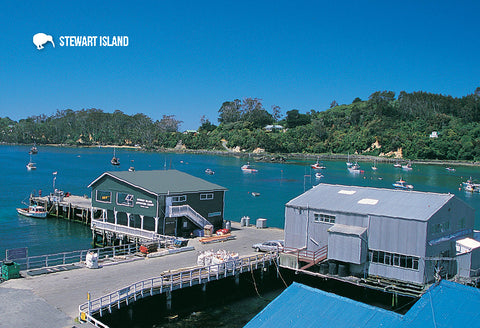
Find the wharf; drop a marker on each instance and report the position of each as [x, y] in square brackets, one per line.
[52, 300]
[75, 208]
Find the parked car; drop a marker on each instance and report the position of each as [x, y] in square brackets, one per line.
[269, 246]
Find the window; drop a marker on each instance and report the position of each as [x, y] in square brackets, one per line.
[392, 259]
[324, 218]
[441, 227]
[206, 196]
[103, 196]
[210, 215]
[179, 199]
[124, 199]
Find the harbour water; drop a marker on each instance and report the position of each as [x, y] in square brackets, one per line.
[277, 183]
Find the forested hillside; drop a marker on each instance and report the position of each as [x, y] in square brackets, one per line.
[390, 122]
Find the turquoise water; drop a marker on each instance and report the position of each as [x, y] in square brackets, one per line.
[277, 184]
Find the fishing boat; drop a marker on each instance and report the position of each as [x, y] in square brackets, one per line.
[450, 169]
[115, 160]
[317, 166]
[33, 211]
[355, 168]
[131, 168]
[470, 186]
[401, 184]
[33, 150]
[31, 165]
[248, 168]
[407, 167]
[209, 172]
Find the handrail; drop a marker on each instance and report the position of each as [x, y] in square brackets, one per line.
[170, 280]
[150, 235]
[305, 254]
[187, 210]
[64, 258]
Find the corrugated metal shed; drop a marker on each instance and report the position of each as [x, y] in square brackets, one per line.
[372, 201]
[445, 305]
[162, 181]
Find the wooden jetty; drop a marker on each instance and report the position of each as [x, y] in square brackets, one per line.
[69, 207]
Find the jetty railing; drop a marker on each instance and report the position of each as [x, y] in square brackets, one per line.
[135, 232]
[169, 281]
[73, 257]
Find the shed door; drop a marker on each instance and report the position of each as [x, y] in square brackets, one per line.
[170, 226]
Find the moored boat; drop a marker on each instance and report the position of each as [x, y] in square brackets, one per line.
[355, 168]
[115, 160]
[407, 167]
[318, 175]
[450, 169]
[209, 171]
[317, 166]
[33, 211]
[401, 184]
[248, 168]
[33, 150]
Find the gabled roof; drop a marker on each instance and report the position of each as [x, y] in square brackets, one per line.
[414, 205]
[444, 305]
[162, 181]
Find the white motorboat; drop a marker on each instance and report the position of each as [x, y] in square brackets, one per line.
[248, 168]
[33, 211]
[401, 184]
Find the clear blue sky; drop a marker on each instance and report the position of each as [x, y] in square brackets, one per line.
[187, 57]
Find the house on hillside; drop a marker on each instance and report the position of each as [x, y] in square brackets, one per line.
[405, 236]
[144, 204]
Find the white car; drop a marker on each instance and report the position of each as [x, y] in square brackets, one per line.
[269, 246]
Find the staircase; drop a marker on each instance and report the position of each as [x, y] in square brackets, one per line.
[187, 211]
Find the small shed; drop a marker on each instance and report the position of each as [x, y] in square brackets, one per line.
[468, 258]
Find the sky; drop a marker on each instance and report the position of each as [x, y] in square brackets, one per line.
[185, 58]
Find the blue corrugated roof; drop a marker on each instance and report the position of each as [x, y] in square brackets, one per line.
[303, 306]
[447, 304]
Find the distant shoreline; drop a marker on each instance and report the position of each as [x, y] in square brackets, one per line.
[275, 157]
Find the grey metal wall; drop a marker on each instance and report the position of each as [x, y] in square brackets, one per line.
[295, 227]
[442, 243]
[400, 236]
[347, 248]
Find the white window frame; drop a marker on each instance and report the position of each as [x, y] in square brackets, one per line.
[324, 218]
[179, 199]
[129, 198]
[206, 196]
[102, 201]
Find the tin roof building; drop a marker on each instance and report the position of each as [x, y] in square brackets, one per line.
[407, 236]
[149, 203]
[444, 305]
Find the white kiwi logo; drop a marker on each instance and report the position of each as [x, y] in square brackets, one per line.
[40, 39]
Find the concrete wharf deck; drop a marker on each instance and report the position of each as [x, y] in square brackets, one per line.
[52, 300]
